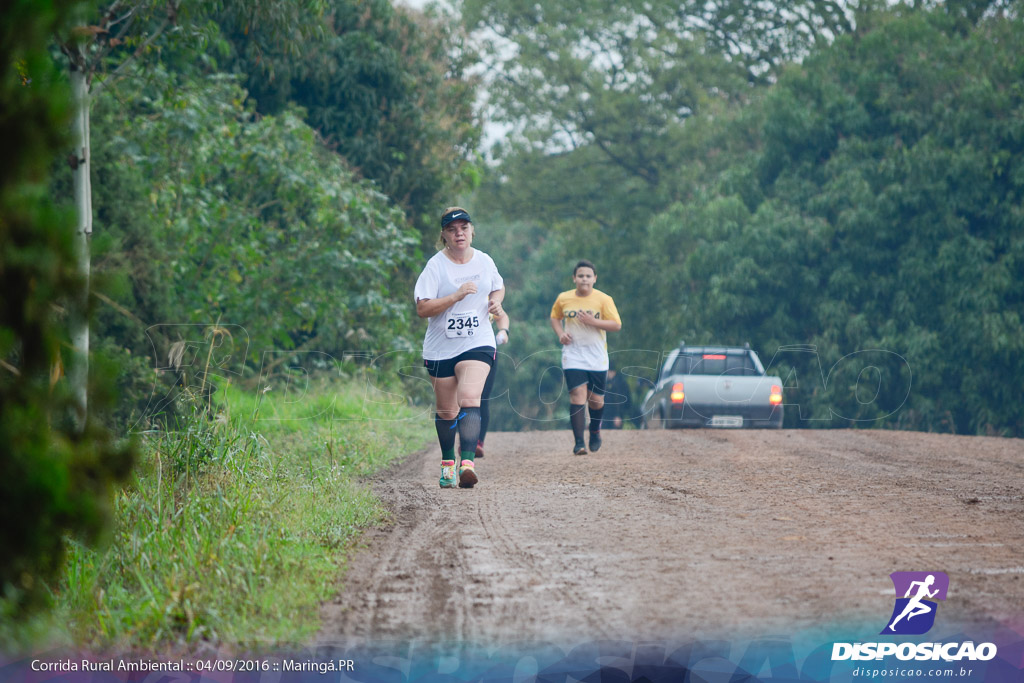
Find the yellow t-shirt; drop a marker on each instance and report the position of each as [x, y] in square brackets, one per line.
[589, 347]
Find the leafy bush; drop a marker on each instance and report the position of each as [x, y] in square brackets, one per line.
[215, 217]
[55, 474]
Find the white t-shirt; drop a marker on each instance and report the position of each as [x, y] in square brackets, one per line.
[463, 326]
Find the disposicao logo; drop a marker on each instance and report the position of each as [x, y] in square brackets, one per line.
[914, 613]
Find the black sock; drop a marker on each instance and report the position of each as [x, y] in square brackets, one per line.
[469, 431]
[445, 436]
[576, 418]
[485, 403]
[485, 417]
[595, 418]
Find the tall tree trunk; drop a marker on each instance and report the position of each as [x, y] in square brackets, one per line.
[78, 372]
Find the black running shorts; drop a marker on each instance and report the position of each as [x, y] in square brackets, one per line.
[446, 368]
[594, 379]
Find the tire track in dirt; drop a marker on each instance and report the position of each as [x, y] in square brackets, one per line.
[527, 569]
[392, 575]
[685, 534]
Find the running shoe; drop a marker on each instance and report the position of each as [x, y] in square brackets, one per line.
[479, 449]
[447, 474]
[595, 442]
[579, 449]
[467, 475]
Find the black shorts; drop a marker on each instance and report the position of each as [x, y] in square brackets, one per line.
[446, 368]
[594, 379]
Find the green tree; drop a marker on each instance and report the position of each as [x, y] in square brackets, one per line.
[388, 89]
[242, 220]
[612, 105]
[105, 44]
[876, 207]
[55, 476]
[864, 199]
[621, 78]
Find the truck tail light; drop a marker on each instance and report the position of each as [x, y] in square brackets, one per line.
[775, 398]
[677, 393]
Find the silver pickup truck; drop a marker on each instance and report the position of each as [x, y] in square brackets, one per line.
[713, 386]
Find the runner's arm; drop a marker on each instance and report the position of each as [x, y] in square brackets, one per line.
[501, 320]
[501, 323]
[563, 336]
[428, 308]
[593, 321]
[607, 325]
[494, 307]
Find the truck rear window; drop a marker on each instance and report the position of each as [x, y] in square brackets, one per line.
[714, 364]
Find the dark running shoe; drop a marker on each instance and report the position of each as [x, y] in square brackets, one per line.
[467, 475]
[595, 442]
[579, 449]
[479, 449]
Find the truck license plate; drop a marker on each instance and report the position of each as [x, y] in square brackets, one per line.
[726, 421]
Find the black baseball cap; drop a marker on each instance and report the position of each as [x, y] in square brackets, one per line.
[455, 215]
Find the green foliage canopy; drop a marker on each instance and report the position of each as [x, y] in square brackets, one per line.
[866, 205]
[387, 88]
[613, 82]
[880, 208]
[243, 220]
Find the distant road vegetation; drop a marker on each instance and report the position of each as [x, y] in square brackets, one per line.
[846, 200]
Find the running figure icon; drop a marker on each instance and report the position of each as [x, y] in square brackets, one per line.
[915, 607]
[919, 591]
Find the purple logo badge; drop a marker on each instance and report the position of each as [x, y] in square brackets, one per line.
[914, 612]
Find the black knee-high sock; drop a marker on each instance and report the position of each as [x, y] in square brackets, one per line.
[445, 436]
[485, 417]
[485, 403]
[595, 418]
[469, 431]
[576, 417]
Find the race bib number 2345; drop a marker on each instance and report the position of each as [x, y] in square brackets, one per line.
[461, 325]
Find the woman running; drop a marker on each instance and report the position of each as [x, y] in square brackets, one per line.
[456, 291]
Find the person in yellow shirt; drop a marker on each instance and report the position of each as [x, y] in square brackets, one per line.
[581, 318]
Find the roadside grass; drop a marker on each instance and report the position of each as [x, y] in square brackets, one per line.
[235, 529]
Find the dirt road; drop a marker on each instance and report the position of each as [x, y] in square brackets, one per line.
[687, 534]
